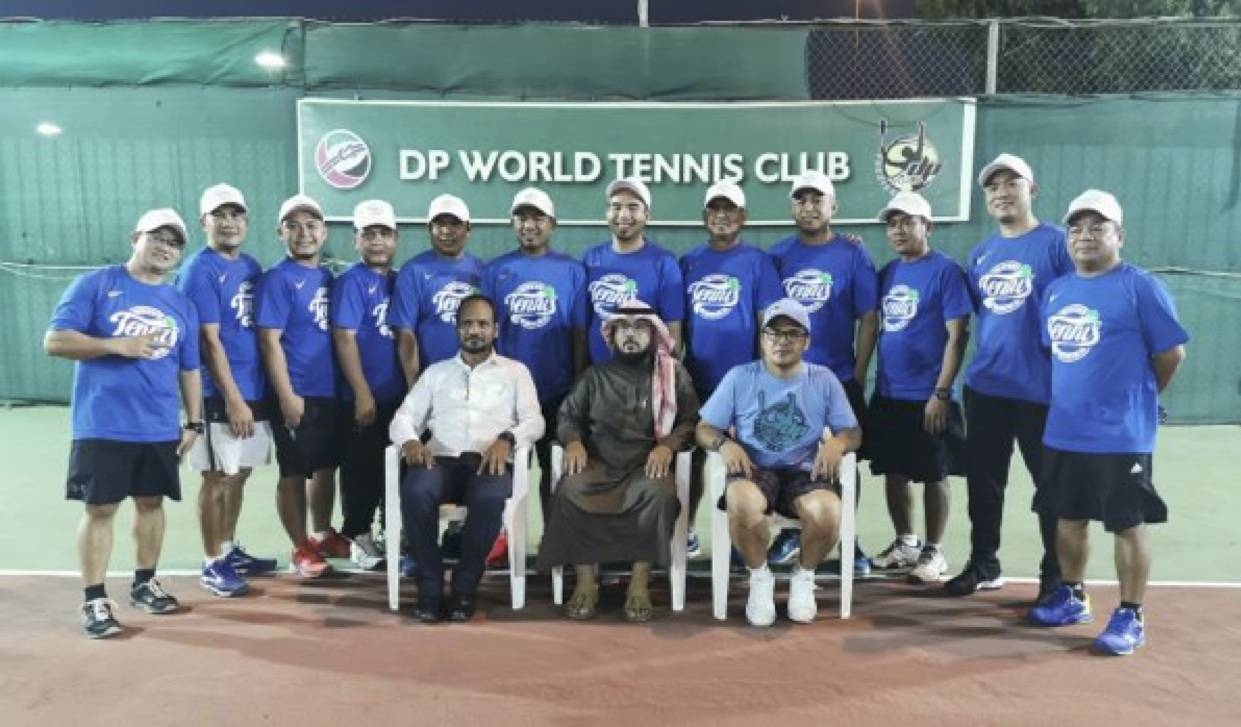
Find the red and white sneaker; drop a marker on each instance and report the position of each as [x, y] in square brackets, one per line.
[498, 557]
[332, 545]
[306, 561]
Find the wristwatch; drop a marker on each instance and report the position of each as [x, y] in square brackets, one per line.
[943, 394]
[508, 437]
[196, 427]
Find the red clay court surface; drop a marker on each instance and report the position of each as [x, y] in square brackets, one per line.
[330, 653]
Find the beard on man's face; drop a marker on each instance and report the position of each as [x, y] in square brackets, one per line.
[631, 355]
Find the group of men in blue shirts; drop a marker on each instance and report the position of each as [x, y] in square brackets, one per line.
[274, 346]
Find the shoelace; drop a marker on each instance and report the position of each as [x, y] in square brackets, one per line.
[101, 608]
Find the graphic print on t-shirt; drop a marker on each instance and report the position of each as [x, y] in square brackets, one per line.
[1006, 286]
[319, 307]
[778, 427]
[811, 287]
[900, 306]
[242, 304]
[448, 299]
[145, 320]
[1074, 332]
[714, 296]
[610, 291]
[532, 305]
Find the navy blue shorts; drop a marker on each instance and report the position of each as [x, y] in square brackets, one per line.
[900, 444]
[106, 471]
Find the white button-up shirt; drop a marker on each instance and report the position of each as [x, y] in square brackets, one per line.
[466, 409]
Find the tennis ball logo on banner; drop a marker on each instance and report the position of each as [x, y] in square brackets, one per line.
[342, 159]
[1074, 332]
[908, 163]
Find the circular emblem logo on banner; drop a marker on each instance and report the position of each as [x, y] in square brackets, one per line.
[342, 159]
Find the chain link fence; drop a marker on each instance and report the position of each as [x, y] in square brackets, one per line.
[902, 59]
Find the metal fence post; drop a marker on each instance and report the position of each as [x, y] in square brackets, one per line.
[993, 55]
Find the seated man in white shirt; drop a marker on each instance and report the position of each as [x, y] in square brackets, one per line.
[473, 410]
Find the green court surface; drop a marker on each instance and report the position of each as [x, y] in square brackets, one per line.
[1194, 471]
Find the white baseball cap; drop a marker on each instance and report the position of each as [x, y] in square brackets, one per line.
[726, 189]
[1096, 200]
[299, 202]
[1012, 163]
[789, 308]
[447, 204]
[633, 185]
[911, 203]
[152, 220]
[373, 212]
[218, 195]
[813, 179]
[533, 197]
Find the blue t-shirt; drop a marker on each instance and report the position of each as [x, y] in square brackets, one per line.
[1103, 332]
[1007, 279]
[779, 422]
[724, 294]
[119, 398]
[429, 289]
[296, 300]
[916, 299]
[360, 300]
[837, 284]
[539, 302]
[222, 291]
[649, 274]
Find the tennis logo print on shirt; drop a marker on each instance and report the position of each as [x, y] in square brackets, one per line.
[380, 312]
[448, 299]
[900, 306]
[810, 287]
[715, 296]
[1074, 332]
[532, 305]
[318, 308]
[1006, 286]
[242, 304]
[780, 426]
[610, 291]
[145, 320]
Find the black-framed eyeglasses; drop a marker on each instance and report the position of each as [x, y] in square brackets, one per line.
[788, 335]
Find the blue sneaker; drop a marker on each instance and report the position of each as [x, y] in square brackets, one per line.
[246, 564]
[785, 548]
[1124, 633]
[220, 578]
[861, 563]
[407, 566]
[693, 548]
[1062, 608]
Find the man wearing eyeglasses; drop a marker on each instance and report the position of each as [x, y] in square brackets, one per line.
[135, 341]
[1008, 382]
[793, 426]
[1115, 345]
[295, 337]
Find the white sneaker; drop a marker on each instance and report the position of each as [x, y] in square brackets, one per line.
[760, 607]
[931, 565]
[802, 606]
[365, 553]
[897, 555]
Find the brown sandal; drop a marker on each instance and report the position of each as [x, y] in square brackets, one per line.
[582, 603]
[638, 608]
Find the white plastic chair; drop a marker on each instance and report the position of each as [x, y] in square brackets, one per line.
[680, 532]
[721, 543]
[514, 524]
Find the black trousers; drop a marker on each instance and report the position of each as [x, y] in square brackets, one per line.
[362, 468]
[452, 480]
[991, 425]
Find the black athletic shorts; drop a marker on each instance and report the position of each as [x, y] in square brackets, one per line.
[900, 444]
[106, 471]
[314, 445]
[1114, 488]
[857, 402]
[781, 487]
[215, 411]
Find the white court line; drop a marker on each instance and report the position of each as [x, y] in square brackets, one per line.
[354, 571]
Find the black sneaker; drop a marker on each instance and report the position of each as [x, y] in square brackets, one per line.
[971, 580]
[152, 598]
[97, 619]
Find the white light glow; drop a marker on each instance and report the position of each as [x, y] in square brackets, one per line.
[47, 128]
[270, 59]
